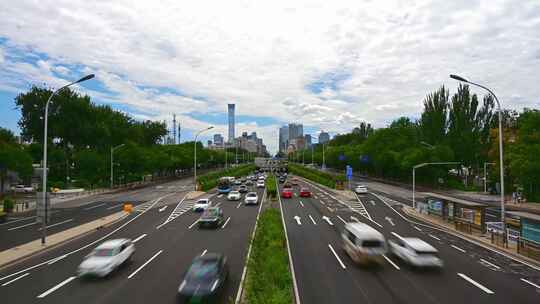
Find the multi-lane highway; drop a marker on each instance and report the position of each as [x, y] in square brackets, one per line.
[166, 238]
[325, 274]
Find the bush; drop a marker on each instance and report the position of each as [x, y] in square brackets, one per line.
[271, 188]
[8, 205]
[317, 176]
[3, 216]
[210, 180]
[269, 278]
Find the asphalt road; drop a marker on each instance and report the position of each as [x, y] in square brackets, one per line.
[167, 242]
[23, 228]
[325, 273]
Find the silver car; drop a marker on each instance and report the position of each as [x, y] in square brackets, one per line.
[106, 258]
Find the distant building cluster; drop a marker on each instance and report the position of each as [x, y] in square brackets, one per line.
[292, 138]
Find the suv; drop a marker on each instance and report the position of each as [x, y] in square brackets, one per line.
[234, 196]
[212, 217]
[415, 252]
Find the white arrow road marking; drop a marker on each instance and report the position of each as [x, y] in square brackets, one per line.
[337, 257]
[312, 220]
[163, 208]
[372, 202]
[20, 277]
[530, 283]
[325, 218]
[484, 288]
[139, 238]
[46, 293]
[297, 219]
[301, 204]
[228, 219]
[389, 219]
[145, 263]
[391, 262]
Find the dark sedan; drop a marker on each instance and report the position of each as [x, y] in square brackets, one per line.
[205, 277]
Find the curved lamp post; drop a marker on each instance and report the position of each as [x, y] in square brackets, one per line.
[195, 156]
[44, 179]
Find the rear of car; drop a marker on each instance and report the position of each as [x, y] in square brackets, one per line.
[260, 184]
[234, 196]
[201, 205]
[286, 193]
[251, 199]
[205, 277]
[364, 244]
[416, 252]
[304, 192]
[212, 217]
[361, 189]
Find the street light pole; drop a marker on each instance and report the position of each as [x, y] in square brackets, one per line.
[414, 176]
[112, 163]
[459, 78]
[44, 178]
[195, 156]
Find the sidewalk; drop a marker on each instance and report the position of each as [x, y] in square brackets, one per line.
[483, 239]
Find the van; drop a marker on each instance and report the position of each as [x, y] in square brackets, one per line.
[363, 244]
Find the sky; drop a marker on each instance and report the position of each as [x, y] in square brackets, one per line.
[326, 64]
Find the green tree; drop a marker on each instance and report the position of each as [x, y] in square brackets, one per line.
[434, 120]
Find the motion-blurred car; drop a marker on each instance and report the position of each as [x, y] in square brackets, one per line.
[260, 184]
[212, 217]
[237, 182]
[201, 205]
[363, 243]
[304, 192]
[361, 189]
[282, 179]
[251, 198]
[415, 252]
[249, 182]
[286, 193]
[22, 189]
[243, 189]
[234, 196]
[106, 258]
[205, 277]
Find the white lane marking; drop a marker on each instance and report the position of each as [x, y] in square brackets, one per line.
[330, 209]
[301, 204]
[325, 218]
[59, 223]
[490, 264]
[417, 228]
[48, 292]
[18, 220]
[194, 223]
[16, 279]
[140, 237]
[145, 263]
[337, 257]
[434, 237]
[19, 227]
[391, 262]
[531, 283]
[457, 248]
[322, 203]
[204, 252]
[93, 207]
[389, 219]
[484, 288]
[163, 208]
[372, 202]
[339, 217]
[396, 235]
[220, 195]
[115, 206]
[357, 220]
[57, 259]
[226, 222]
[312, 220]
[297, 219]
[239, 204]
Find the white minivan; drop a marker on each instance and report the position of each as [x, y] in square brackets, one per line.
[363, 243]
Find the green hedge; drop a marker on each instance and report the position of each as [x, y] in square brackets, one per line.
[209, 180]
[315, 175]
[8, 205]
[269, 278]
[271, 188]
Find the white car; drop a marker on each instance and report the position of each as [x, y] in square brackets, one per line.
[22, 189]
[234, 196]
[415, 252]
[201, 205]
[106, 258]
[361, 189]
[251, 199]
[260, 184]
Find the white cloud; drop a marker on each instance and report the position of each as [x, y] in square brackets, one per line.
[263, 55]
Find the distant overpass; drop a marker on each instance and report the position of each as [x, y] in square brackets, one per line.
[269, 163]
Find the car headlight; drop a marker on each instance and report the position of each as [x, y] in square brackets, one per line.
[216, 282]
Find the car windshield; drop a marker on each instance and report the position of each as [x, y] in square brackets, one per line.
[201, 269]
[251, 195]
[202, 202]
[372, 243]
[105, 252]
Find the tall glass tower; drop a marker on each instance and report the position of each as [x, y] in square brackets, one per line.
[230, 108]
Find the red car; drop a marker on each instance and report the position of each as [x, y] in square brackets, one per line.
[286, 193]
[304, 192]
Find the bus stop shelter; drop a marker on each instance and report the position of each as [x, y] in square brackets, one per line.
[529, 238]
[466, 215]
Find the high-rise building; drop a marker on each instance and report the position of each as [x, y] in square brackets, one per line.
[296, 130]
[307, 141]
[324, 137]
[218, 140]
[283, 138]
[230, 108]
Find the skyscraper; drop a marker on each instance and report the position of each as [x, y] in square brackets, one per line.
[283, 138]
[218, 140]
[307, 141]
[324, 137]
[296, 130]
[230, 108]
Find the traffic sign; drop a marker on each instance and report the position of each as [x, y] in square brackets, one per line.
[349, 172]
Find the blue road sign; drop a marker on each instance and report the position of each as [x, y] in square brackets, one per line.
[349, 172]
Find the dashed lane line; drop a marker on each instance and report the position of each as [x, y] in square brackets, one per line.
[312, 220]
[482, 287]
[530, 283]
[58, 286]
[391, 262]
[145, 263]
[337, 257]
[16, 279]
[457, 248]
[490, 264]
[140, 237]
[226, 222]
[93, 207]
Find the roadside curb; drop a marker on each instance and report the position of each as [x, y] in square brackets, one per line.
[15, 255]
[522, 259]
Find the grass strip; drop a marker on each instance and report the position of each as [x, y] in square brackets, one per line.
[209, 180]
[317, 176]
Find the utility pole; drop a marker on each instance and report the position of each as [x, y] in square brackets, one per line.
[174, 128]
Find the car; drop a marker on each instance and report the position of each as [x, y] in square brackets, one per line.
[294, 182]
[304, 192]
[282, 179]
[361, 189]
[205, 277]
[22, 189]
[237, 182]
[212, 217]
[251, 198]
[260, 184]
[287, 185]
[243, 189]
[249, 182]
[201, 205]
[286, 193]
[363, 243]
[234, 196]
[107, 257]
[415, 252]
